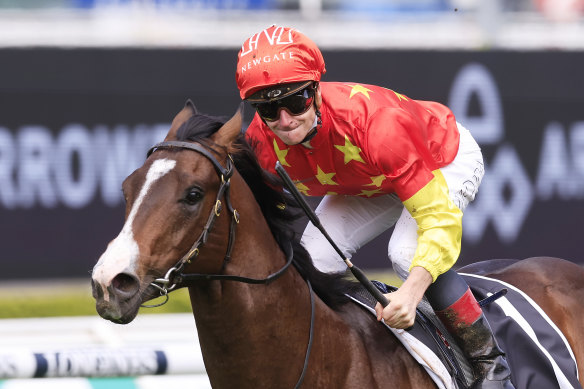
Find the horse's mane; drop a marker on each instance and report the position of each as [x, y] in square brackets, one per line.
[331, 288]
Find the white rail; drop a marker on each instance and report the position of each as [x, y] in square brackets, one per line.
[145, 382]
[92, 347]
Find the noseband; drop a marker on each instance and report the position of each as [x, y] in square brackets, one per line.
[175, 277]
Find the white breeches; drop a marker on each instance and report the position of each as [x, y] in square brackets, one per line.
[353, 221]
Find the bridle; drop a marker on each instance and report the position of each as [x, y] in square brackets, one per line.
[176, 278]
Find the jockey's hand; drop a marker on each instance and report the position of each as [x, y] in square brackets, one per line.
[401, 310]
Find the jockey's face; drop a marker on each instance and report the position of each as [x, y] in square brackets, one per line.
[292, 129]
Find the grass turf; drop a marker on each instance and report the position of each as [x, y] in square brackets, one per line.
[73, 298]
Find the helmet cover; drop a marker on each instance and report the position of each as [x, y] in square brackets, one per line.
[277, 55]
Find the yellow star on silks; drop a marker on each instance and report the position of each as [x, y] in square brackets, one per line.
[376, 181]
[360, 89]
[325, 178]
[331, 193]
[302, 188]
[369, 193]
[281, 154]
[400, 96]
[350, 150]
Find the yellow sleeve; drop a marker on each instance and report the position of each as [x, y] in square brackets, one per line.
[439, 226]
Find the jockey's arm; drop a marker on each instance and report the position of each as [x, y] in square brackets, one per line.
[439, 237]
[439, 226]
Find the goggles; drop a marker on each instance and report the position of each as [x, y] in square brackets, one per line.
[295, 104]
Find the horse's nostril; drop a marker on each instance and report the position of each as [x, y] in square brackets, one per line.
[125, 283]
[96, 290]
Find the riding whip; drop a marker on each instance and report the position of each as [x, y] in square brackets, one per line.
[358, 273]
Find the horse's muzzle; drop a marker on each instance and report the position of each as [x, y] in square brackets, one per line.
[119, 301]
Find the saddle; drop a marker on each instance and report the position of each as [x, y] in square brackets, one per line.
[536, 350]
[428, 341]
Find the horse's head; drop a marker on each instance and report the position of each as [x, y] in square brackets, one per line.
[169, 202]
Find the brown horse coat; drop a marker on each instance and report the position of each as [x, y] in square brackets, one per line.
[256, 336]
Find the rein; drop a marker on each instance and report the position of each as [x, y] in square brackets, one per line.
[176, 278]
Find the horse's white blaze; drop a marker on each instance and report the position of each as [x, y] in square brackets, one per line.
[123, 252]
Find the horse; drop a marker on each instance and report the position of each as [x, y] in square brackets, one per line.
[202, 214]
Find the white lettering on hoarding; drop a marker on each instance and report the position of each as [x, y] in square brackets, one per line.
[7, 166]
[73, 168]
[34, 147]
[476, 80]
[506, 194]
[81, 165]
[75, 190]
[561, 165]
[504, 173]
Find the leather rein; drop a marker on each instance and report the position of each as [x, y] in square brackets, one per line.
[175, 276]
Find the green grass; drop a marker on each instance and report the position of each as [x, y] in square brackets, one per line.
[50, 299]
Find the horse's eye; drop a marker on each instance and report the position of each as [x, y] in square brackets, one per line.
[193, 196]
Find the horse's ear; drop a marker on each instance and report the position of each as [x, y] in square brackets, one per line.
[188, 111]
[230, 130]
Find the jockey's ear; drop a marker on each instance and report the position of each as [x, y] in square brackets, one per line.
[188, 111]
[230, 130]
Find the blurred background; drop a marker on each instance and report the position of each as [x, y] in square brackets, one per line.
[87, 86]
[367, 24]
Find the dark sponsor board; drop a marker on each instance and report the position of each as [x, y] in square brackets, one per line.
[74, 123]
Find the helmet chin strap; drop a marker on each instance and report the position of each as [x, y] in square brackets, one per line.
[312, 133]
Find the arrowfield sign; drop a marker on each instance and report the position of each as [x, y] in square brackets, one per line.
[72, 169]
[74, 127]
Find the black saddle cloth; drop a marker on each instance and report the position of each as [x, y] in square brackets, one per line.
[430, 331]
[537, 352]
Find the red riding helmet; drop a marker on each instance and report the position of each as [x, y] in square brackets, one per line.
[277, 55]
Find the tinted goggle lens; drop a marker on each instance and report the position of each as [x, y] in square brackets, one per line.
[295, 104]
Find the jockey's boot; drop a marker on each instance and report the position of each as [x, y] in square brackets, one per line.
[469, 327]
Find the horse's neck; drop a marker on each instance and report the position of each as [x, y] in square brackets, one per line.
[243, 329]
[236, 322]
[257, 258]
[254, 336]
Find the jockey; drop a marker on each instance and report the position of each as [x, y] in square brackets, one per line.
[380, 159]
